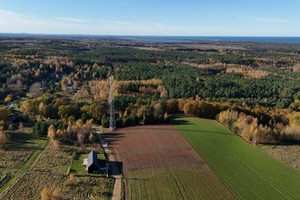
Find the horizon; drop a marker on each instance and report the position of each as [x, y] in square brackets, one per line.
[166, 38]
[142, 18]
[157, 36]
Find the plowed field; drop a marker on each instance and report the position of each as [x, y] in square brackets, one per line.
[151, 146]
[158, 163]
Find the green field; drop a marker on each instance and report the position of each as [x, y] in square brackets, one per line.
[247, 171]
[189, 182]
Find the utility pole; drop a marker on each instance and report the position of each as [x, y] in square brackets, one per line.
[112, 122]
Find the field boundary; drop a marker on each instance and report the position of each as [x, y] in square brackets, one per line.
[147, 142]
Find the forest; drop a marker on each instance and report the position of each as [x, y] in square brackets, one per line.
[61, 83]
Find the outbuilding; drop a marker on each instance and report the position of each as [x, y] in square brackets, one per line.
[91, 163]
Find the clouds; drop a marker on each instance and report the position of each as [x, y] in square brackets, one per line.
[70, 19]
[271, 20]
[13, 22]
[7, 13]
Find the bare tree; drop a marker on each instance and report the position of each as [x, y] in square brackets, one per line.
[21, 127]
[35, 90]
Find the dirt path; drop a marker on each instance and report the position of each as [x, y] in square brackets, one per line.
[114, 168]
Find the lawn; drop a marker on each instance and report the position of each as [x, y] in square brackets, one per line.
[247, 171]
[80, 170]
[85, 184]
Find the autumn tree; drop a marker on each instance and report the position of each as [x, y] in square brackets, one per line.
[246, 126]
[55, 144]
[228, 118]
[92, 138]
[31, 106]
[51, 194]
[36, 90]
[295, 105]
[97, 110]
[70, 180]
[292, 133]
[64, 84]
[51, 133]
[66, 111]
[4, 113]
[3, 137]
[8, 98]
[172, 106]
[148, 114]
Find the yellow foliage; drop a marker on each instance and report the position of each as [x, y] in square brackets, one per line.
[296, 105]
[8, 98]
[51, 194]
[228, 118]
[46, 194]
[55, 145]
[31, 106]
[4, 113]
[294, 119]
[51, 133]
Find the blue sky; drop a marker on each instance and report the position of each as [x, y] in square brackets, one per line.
[152, 17]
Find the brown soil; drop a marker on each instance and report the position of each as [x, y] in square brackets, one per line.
[151, 146]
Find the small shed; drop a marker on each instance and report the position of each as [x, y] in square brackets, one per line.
[69, 87]
[10, 104]
[91, 163]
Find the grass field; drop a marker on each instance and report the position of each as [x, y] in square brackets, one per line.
[247, 171]
[188, 182]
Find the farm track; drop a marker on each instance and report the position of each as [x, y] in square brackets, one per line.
[116, 195]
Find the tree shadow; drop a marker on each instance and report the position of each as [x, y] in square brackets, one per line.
[136, 179]
[284, 143]
[114, 172]
[113, 137]
[177, 120]
[210, 132]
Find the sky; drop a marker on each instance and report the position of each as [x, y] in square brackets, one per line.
[152, 17]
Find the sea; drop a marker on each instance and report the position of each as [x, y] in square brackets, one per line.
[184, 39]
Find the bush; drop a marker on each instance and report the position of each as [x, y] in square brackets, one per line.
[41, 128]
[105, 121]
